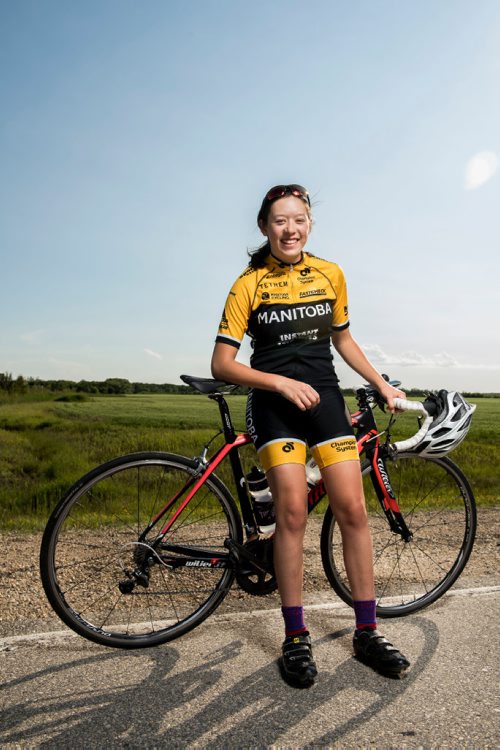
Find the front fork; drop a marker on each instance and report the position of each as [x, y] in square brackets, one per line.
[379, 476]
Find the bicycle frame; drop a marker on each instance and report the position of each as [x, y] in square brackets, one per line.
[368, 443]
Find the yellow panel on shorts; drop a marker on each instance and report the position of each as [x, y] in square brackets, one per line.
[278, 452]
[334, 451]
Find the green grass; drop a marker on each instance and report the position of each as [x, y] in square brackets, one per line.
[46, 445]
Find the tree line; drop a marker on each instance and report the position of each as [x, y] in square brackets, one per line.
[117, 386]
[21, 385]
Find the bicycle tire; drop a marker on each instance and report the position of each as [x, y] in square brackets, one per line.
[91, 539]
[439, 509]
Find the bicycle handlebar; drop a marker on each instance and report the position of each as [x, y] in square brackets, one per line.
[403, 405]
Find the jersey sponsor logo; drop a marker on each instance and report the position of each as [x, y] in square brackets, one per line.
[224, 323]
[275, 275]
[311, 255]
[306, 280]
[279, 295]
[345, 310]
[288, 447]
[265, 295]
[341, 446]
[305, 272]
[312, 293]
[311, 335]
[248, 271]
[267, 317]
[272, 285]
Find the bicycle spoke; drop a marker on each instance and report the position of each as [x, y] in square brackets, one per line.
[389, 577]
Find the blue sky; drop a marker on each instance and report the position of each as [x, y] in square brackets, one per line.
[137, 140]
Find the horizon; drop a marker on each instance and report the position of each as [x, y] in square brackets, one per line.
[31, 382]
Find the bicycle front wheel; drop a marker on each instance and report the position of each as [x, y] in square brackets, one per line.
[439, 509]
[94, 544]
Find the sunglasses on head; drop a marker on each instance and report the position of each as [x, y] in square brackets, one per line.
[279, 191]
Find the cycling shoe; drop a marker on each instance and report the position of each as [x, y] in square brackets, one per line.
[297, 664]
[375, 651]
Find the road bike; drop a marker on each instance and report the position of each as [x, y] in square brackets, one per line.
[143, 548]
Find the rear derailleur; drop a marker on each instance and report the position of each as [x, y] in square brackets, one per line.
[140, 575]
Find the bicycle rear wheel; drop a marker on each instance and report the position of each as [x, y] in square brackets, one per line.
[439, 509]
[92, 545]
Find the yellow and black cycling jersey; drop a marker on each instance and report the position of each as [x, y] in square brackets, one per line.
[290, 312]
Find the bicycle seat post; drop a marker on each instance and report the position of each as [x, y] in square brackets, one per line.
[234, 458]
[227, 423]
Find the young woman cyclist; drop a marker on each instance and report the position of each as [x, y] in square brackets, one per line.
[293, 304]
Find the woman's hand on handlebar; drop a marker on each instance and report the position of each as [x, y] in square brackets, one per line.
[301, 394]
[389, 393]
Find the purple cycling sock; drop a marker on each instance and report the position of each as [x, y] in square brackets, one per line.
[366, 618]
[294, 620]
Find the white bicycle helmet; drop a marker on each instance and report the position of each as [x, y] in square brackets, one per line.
[450, 425]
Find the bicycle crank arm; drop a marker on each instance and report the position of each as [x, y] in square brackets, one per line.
[239, 554]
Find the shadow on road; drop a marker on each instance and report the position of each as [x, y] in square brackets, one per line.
[194, 706]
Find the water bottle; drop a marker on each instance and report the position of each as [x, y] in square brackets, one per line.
[313, 474]
[262, 500]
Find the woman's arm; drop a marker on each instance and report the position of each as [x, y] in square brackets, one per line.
[353, 355]
[225, 367]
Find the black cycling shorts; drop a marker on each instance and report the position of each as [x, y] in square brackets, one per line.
[281, 431]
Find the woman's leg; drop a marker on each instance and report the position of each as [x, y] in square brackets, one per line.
[289, 490]
[345, 491]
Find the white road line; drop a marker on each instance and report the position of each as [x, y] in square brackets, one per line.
[13, 640]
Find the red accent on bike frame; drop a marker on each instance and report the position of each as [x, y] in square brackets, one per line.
[240, 440]
[369, 435]
[316, 494]
[389, 502]
[168, 505]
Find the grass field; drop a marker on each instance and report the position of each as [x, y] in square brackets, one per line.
[46, 445]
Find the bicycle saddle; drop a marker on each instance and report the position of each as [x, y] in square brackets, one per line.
[206, 385]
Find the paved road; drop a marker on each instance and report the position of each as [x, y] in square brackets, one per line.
[219, 687]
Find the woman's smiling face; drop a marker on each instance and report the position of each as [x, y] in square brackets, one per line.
[287, 228]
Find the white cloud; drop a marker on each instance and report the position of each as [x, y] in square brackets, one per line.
[480, 169]
[153, 354]
[414, 359]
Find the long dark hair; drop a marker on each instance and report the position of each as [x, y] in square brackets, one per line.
[259, 255]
